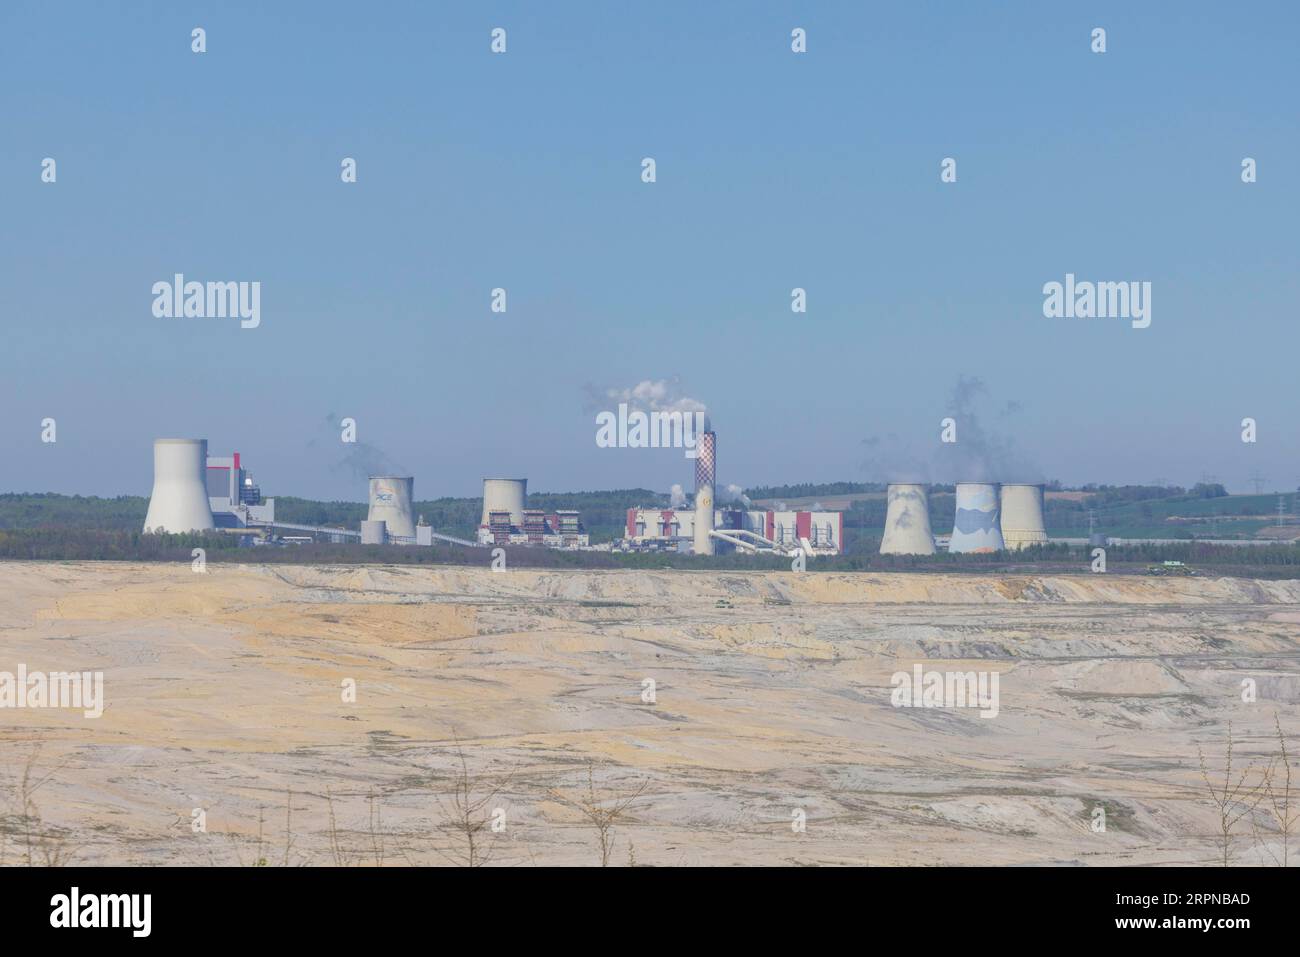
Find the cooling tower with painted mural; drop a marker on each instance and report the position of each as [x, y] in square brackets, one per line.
[907, 522]
[390, 503]
[179, 500]
[1022, 516]
[976, 528]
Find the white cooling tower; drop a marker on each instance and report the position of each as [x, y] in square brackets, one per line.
[703, 520]
[976, 527]
[505, 495]
[390, 503]
[179, 501]
[907, 522]
[1022, 516]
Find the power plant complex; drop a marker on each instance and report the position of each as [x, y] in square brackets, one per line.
[705, 529]
[197, 492]
[988, 518]
[507, 521]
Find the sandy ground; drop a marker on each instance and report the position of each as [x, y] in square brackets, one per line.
[772, 699]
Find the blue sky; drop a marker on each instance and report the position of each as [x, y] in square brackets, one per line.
[522, 170]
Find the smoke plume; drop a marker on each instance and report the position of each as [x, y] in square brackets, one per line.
[889, 459]
[358, 459]
[984, 451]
[734, 495]
[648, 395]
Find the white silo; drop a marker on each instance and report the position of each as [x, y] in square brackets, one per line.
[703, 520]
[505, 495]
[976, 527]
[1022, 516]
[390, 503]
[907, 522]
[179, 500]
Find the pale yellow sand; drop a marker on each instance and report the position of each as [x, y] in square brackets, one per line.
[773, 694]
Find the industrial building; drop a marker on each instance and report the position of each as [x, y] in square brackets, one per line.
[507, 520]
[194, 491]
[734, 529]
[705, 529]
[235, 500]
[559, 529]
[238, 507]
[504, 495]
[197, 492]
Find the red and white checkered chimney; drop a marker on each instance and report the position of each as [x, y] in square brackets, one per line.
[706, 460]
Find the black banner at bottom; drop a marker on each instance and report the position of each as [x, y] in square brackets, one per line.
[334, 906]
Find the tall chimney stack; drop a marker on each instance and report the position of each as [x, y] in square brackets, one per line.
[706, 460]
[705, 481]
